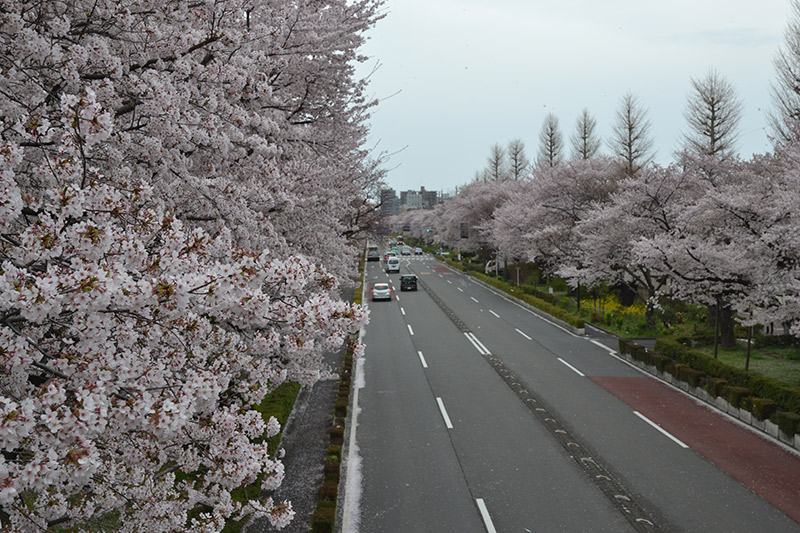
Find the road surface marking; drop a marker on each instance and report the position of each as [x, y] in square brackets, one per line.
[459, 288]
[403, 311]
[422, 360]
[444, 414]
[411, 331]
[659, 428]
[523, 334]
[495, 314]
[487, 520]
[600, 344]
[397, 297]
[581, 374]
[474, 300]
[476, 343]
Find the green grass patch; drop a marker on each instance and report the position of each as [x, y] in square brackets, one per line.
[773, 362]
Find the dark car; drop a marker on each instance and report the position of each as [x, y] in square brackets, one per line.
[408, 282]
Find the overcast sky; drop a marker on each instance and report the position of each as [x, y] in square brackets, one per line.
[456, 76]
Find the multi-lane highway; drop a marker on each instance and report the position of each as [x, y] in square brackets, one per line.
[475, 414]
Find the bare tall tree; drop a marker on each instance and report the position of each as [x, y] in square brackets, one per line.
[786, 86]
[551, 143]
[585, 142]
[496, 165]
[713, 112]
[517, 160]
[631, 140]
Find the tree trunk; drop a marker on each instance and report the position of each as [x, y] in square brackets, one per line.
[726, 323]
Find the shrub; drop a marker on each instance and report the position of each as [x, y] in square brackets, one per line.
[762, 408]
[324, 518]
[714, 386]
[663, 363]
[332, 471]
[337, 435]
[329, 491]
[736, 395]
[788, 422]
[335, 451]
[340, 409]
[691, 376]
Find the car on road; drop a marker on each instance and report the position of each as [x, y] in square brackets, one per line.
[405, 250]
[408, 282]
[381, 291]
[387, 255]
[418, 251]
[392, 264]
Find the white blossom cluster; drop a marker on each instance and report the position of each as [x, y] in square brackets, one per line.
[177, 182]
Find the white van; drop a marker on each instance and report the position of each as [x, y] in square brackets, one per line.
[392, 264]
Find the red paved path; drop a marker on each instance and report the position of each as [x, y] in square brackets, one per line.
[764, 467]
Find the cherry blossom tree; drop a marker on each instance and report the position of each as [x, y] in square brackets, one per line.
[538, 222]
[644, 207]
[708, 251]
[178, 183]
[471, 210]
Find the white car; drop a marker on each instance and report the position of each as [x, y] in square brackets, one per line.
[392, 265]
[381, 291]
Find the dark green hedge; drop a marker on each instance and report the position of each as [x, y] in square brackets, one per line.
[784, 395]
[766, 398]
[788, 422]
[762, 408]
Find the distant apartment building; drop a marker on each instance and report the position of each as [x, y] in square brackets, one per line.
[421, 199]
[390, 204]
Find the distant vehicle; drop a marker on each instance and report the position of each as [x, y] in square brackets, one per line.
[405, 250]
[372, 253]
[492, 267]
[381, 291]
[387, 255]
[392, 264]
[408, 282]
[418, 251]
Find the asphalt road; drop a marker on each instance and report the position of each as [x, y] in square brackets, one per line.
[478, 415]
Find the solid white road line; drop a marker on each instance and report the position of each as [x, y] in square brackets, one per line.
[487, 520]
[603, 346]
[422, 360]
[474, 300]
[495, 314]
[444, 414]
[523, 334]
[411, 331]
[471, 338]
[581, 374]
[659, 428]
